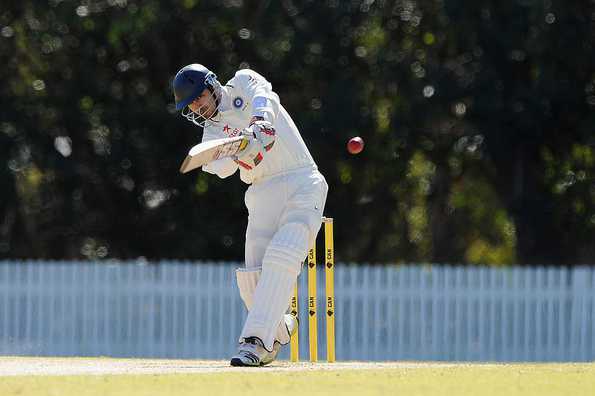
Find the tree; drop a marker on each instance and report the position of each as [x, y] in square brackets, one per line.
[477, 120]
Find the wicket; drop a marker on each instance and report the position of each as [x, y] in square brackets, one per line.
[329, 259]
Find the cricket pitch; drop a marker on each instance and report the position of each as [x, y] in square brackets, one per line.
[131, 377]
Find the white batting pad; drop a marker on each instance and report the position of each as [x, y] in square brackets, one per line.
[289, 247]
[271, 299]
[247, 279]
[280, 267]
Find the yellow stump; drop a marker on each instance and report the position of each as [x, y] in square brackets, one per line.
[312, 317]
[329, 259]
[295, 338]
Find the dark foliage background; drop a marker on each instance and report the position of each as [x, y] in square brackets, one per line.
[478, 119]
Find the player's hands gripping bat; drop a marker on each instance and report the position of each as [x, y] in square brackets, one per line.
[261, 135]
[247, 148]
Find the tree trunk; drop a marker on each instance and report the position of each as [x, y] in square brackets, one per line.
[539, 239]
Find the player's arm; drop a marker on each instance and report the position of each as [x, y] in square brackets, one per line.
[223, 167]
[265, 106]
[265, 102]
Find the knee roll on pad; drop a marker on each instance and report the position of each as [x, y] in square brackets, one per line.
[309, 218]
[288, 248]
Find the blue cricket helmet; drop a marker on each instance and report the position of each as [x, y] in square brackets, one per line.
[189, 83]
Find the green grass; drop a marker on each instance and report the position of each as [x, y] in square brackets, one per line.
[449, 380]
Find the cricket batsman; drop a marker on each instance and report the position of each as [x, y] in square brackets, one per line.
[285, 198]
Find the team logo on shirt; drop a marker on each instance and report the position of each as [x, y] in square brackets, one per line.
[238, 102]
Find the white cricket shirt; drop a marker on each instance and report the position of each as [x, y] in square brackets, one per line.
[246, 95]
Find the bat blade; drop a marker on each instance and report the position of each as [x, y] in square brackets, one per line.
[212, 150]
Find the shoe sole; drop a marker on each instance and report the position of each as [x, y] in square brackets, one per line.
[235, 362]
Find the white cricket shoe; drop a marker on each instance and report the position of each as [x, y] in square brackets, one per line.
[250, 353]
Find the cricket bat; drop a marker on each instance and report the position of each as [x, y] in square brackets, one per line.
[212, 150]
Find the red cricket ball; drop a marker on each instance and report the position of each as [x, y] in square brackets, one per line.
[355, 145]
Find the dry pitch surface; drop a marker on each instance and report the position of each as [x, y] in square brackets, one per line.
[131, 377]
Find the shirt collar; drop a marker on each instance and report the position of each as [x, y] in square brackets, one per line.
[225, 103]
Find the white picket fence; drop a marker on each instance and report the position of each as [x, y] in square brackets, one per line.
[193, 310]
